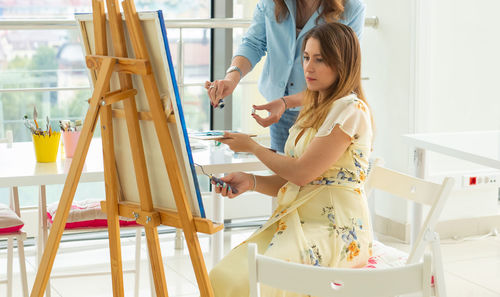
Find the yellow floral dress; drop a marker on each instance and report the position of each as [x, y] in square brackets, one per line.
[325, 223]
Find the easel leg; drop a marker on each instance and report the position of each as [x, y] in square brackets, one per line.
[156, 261]
[110, 176]
[115, 253]
[43, 273]
[151, 281]
[168, 152]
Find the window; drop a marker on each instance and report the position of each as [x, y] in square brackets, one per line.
[42, 65]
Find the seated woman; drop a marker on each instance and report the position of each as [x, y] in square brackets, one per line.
[322, 216]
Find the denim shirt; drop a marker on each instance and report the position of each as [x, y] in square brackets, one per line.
[283, 73]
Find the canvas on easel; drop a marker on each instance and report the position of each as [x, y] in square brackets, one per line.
[148, 167]
[159, 53]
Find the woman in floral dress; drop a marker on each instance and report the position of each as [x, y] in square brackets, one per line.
[322, 217]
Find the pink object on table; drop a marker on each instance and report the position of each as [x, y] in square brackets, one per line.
[70, 139]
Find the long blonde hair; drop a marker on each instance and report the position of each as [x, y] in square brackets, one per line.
[330, 10]
[339, 48]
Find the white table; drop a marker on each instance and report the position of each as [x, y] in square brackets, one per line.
[481, 147]
[18, 167]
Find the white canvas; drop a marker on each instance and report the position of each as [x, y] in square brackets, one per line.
[157, 44]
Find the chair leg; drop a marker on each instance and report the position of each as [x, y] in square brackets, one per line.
[138, 239]
[10, 256]
[22, 264]
[439, 281]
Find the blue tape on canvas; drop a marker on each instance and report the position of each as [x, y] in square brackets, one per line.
[181, 113]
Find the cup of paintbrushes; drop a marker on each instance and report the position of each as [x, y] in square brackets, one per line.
[46, 146]
[70, 140]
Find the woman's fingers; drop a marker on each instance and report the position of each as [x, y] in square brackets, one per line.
[211, 91]
[216, 91]
[219, 89]
[261, 107]
[265, 122]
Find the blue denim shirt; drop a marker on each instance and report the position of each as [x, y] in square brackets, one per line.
[283, 73]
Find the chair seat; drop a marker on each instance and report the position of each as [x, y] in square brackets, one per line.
[386, 257]
[9, 220]
[86, 214]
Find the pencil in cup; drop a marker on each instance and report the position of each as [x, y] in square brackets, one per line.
[46, 147]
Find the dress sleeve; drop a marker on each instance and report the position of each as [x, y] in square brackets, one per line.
[352, 116]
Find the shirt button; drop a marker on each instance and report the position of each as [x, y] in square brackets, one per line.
[282, 84]
[291, 84]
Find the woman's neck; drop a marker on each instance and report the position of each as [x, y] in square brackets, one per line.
[321, 95]
[305, 9]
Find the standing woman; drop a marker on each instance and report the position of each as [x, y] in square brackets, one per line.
[278, 28]
[322, 217]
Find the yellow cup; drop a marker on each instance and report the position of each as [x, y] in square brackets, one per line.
[46, 147]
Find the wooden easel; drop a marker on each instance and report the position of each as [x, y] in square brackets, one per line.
[100, 105]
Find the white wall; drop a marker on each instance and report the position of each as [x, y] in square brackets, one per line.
[433, 67]
[387, 52]
[465, 64]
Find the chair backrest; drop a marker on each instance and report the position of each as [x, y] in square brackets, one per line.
[416, 190]
[338, 282]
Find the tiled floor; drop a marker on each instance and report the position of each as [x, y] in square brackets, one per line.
[472, 266]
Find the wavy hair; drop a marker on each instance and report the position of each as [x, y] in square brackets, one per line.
[330, 10]
[339, 48]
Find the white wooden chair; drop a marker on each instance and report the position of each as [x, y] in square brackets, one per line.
[19, 236]
[84, 229]
[419, 191]
[337, 282]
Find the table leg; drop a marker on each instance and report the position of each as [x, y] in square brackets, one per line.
[217, 240]
[420, 172]
[179, 239]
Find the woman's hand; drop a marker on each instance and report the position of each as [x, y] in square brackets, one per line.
[276, 108]
[219, 89]
[239, 142]
[240, 181]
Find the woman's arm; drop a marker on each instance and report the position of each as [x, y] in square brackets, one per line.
[269, 185]
[252, 48]
[321, 153]
[242, 182]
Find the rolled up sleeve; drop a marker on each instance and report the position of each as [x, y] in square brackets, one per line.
[254, 43]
